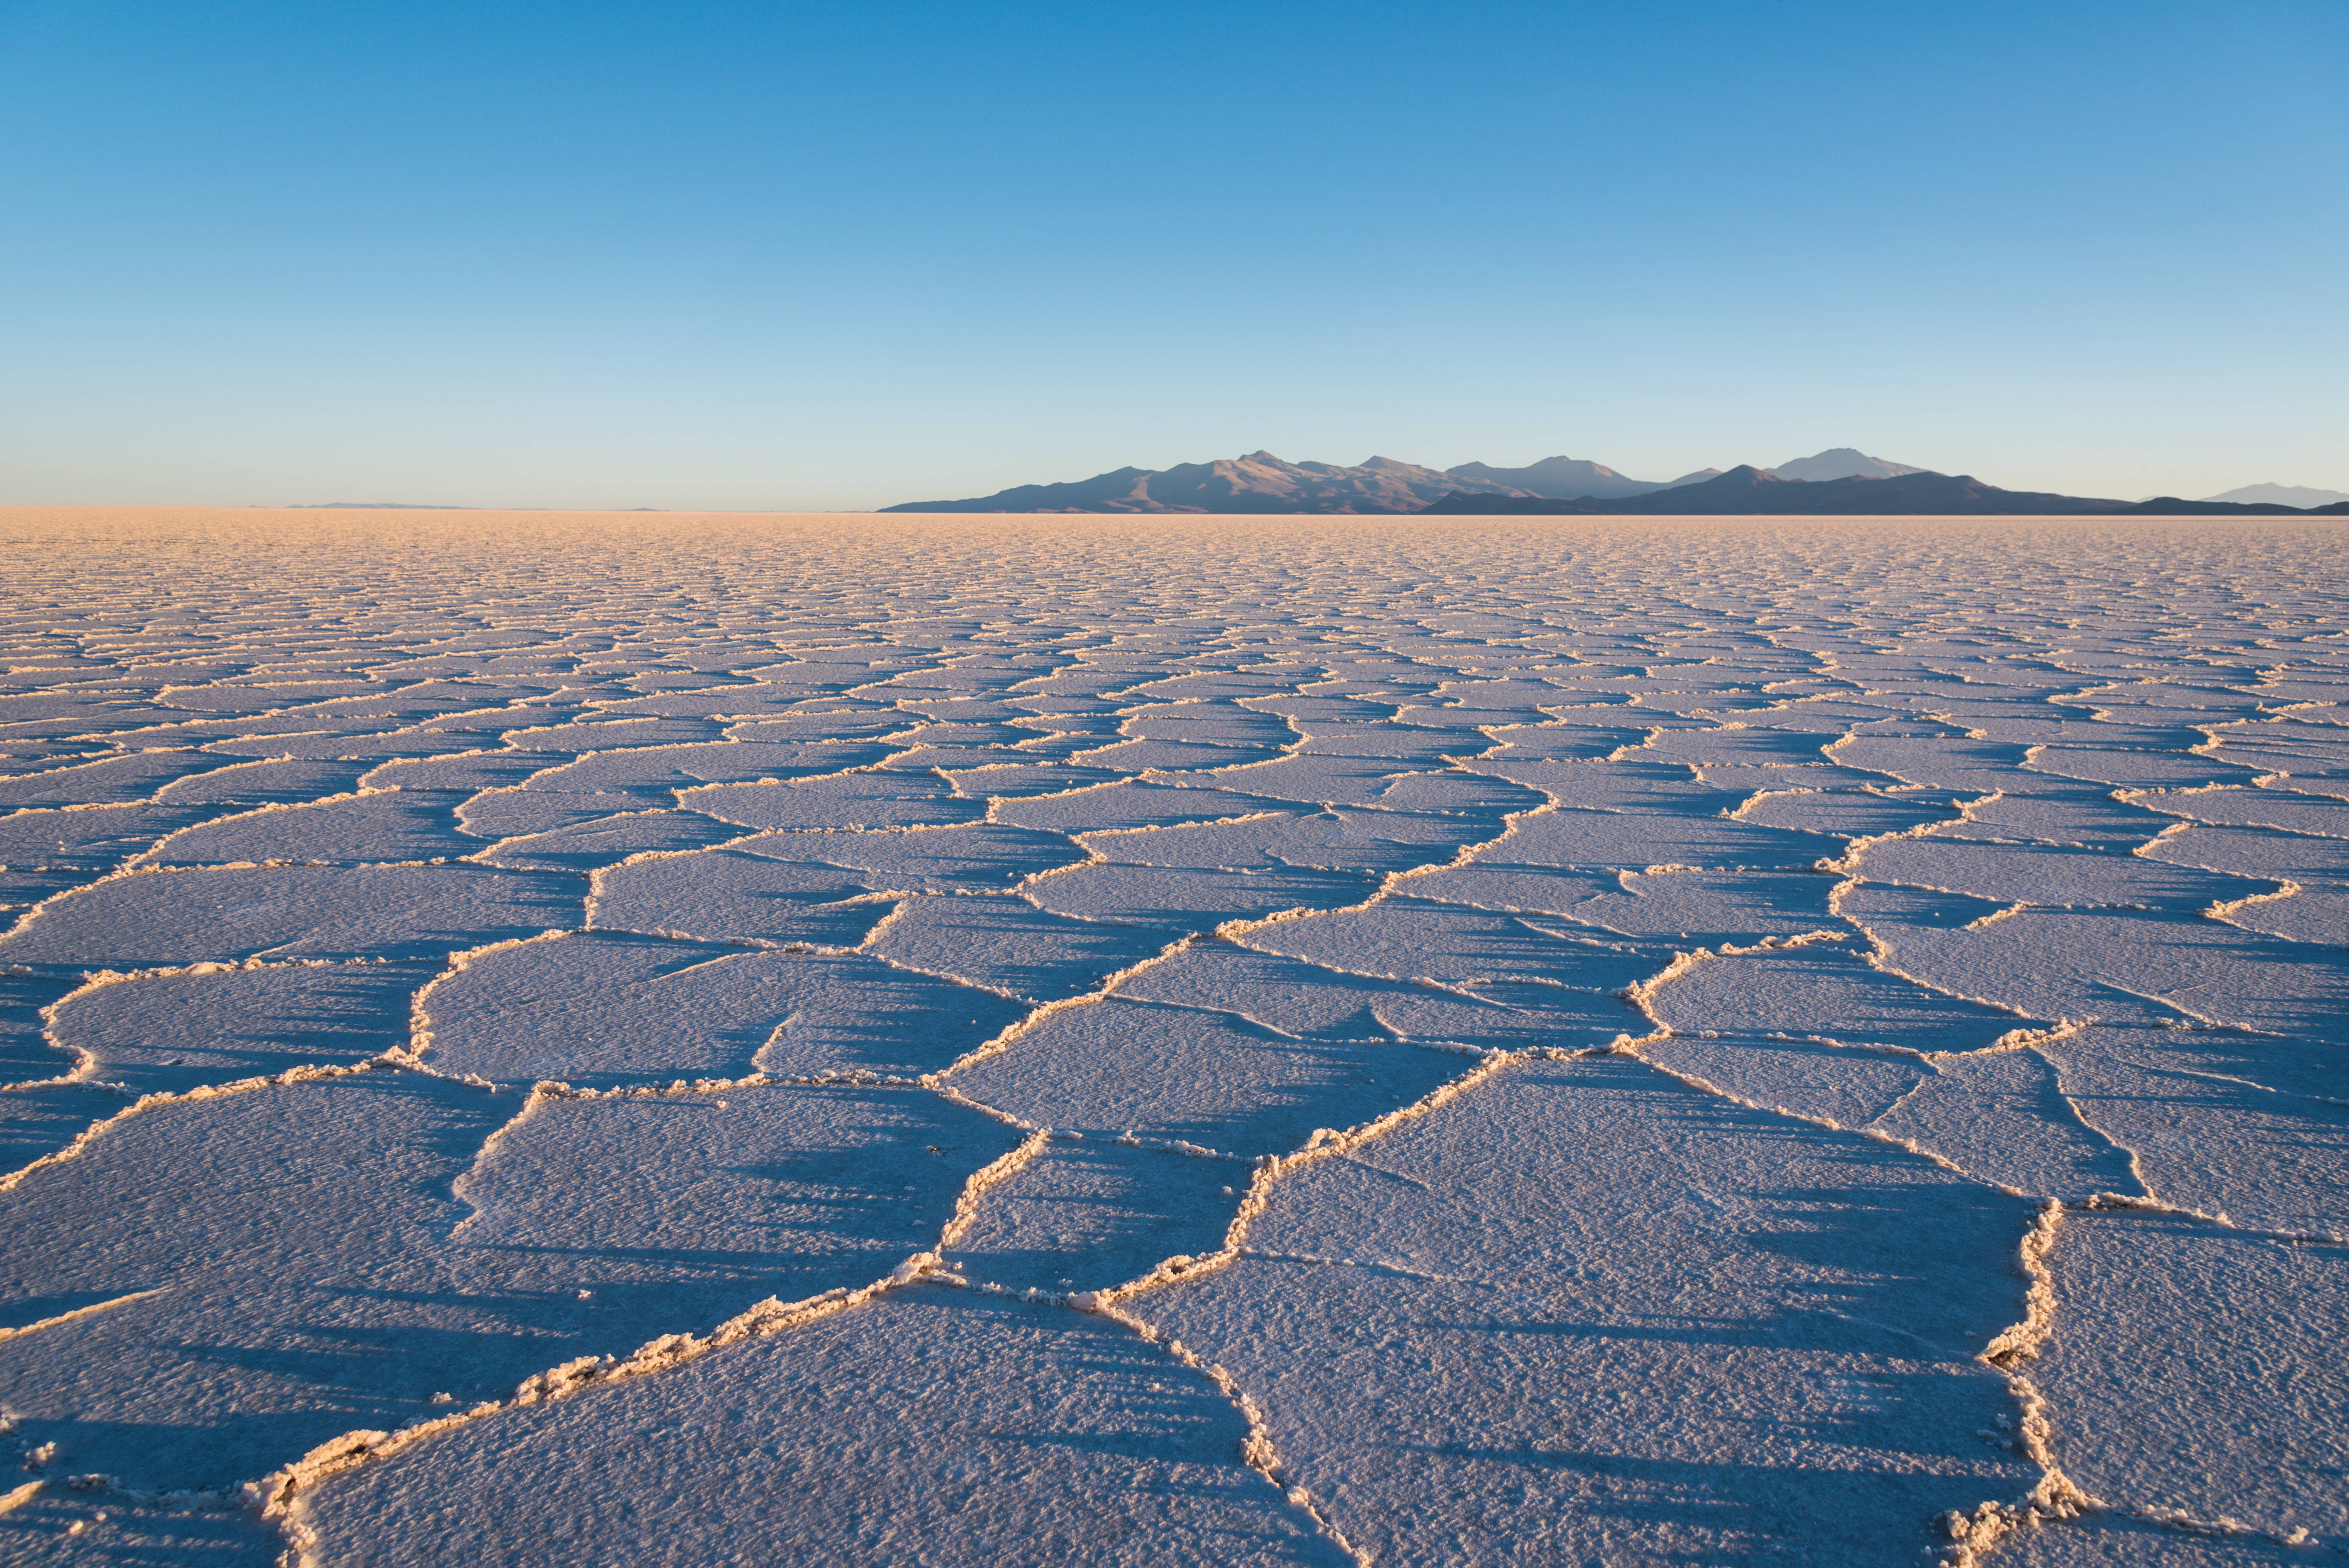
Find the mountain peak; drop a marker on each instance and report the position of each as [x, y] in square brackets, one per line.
[1746, 490]
[1841, 463]
[1563, 478]
[1841, 480]
[1255, 481]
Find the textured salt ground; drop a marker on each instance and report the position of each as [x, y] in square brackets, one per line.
[1010, 946]
[2110, 1541]
[2189, 1373]
[980, 1431]
[1091, 1214]
[2221, 1121]
[1597, 1316]
[371, 1244]
[61, 1527]
[180, 917]
[602, 1011]
[171, 1032]
[1187, 933]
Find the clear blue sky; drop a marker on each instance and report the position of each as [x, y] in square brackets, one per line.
[841, 255]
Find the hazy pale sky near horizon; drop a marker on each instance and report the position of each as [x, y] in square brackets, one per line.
[840, 257]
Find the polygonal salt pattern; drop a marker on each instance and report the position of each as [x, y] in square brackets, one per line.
[1220, 1040]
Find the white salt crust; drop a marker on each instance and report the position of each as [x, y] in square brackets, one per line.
[528, 1039]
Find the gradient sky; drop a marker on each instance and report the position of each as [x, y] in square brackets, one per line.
[837, 256]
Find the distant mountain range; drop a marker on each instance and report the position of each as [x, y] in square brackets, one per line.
[2300, 496]
[1840, 463]
[1261, 482]
[1749, 492]
[1257, 482]
[1840, 481]
[1746, 489]
[1567, 477]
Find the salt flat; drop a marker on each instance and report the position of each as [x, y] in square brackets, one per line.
[669, 1039]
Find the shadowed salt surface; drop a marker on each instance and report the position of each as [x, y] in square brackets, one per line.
[979, 1430]
[1197, 1040]
[1758, 1343]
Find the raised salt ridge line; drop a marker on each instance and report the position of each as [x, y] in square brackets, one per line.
[1232, 1043]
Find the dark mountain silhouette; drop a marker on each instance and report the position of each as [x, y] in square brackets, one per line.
[2170, 506]
[1119, 489]
[1856, 485]
[1841, 463]
[1747, 489]
[1572, 479]
[1258, 483]
[1567, 479]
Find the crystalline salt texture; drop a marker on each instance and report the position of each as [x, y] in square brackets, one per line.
[1107, 807]
[359, 829]
[1196, 1077]
[1010, 946]
[1093, 1213]
[980, 1431]
[2261, 853]
[212, 1356]
[1190, 899]
[1822, 991]
[1849, 1088]
[857, 800]
[170, 1032]
[174, 917]
[1636, 840]
[2318, 915]
[1585, 1314]
[609, 1011]
[369, 1242]
[58, 1526]
[1306, 1001]
[2119, 1541]
[2003, 1117]
[724, 894]
[66, 848]
[2047, 876]
[608, 842]
[2220, 1121]
[1334, 841]
[38, 1119]
[2185, 1374]
[1404, 938]
[2115, 965]
[979, 858]
[1490, 793]
[1710, 907]
[117, 780]
[680, 1210]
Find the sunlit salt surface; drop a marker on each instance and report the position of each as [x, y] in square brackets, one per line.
[700, 1040]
